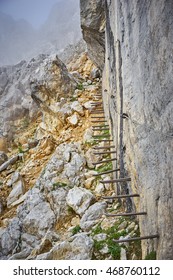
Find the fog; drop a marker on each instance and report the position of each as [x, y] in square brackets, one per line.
[31, 27]
[34, 11]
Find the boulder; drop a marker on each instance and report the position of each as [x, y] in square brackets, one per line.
[77, 107]
[17, 191]
[73, 120]
[80, 247]
[93, 215]
[79, 199]
[9, 238]
[39, 219]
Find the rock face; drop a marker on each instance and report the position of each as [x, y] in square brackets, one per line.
[51, 82]
[137, 82]
[93, 25]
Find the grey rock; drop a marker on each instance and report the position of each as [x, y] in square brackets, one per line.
[10, 238]
[99, 190]
[3, 157]
[93, 25]
[80, 247]
[91, 158]
[8, 163]
[88, 135]
[77, 107]
[79, 199]
[123, 254]
[123, 225]
[73, 120]
[100, 236]
[95, 73]
[17, 191]
[93, 215]
[39, 219]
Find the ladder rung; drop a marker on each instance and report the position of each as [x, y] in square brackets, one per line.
[99, 121]
[98, 117]
[105, 153]
[100, 129]
[126, 214]
[104, 140]
[103, 148]
[136, 238]
[107, 172]
[98, 136]
[104, 161]
[116, 180]
[120, 196]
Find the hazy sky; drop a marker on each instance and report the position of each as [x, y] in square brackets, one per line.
[34, 11]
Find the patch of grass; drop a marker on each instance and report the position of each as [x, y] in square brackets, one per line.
[20, 149]
[73, 99]
[80, 86]
[151, 256]
[104, 167]
[59, 185]
[97, 230]
[76, 229]
[98, 245]
[114, 249]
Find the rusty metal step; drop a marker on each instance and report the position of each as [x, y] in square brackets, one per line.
[104, 161]
[136, 238]
[120, 196]
[126, 214]
[120, 180]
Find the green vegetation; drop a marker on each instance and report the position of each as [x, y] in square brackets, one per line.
[104, 167]
[1, 183]
[25, 123]
[76, 229]
[20, 149]
[112, 233]
[59, 185]
[80, 86]
[73, 98]
[151, 256]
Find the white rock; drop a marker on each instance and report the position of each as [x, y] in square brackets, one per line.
[39, 219]
[88, 183]
[88, 135]
[73, 120]
[90, 173]
[88, 105]
[131, 226]
[100, 236]
[104, 250]
[80, 247]
[123, 225]
[99, 189]
[18, 190]
[92, 215]
[79, 199]
[77, 107]
[123, 254]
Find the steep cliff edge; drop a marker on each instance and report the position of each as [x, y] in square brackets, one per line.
[137, 83]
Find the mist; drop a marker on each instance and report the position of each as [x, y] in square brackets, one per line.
[32, 27]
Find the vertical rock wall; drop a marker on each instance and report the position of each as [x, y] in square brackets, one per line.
[137, 81]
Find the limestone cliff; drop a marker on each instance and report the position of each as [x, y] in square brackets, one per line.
[137, 94]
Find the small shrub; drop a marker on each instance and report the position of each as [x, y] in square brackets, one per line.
[76, 229]
[151, 256]
[80, 87]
